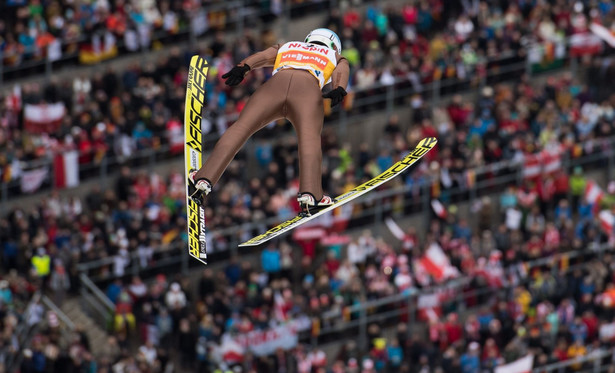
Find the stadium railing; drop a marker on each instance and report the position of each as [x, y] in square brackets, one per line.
[96, 303]
[382, 96]
[352, 321]
[490, 179]
[25, 332]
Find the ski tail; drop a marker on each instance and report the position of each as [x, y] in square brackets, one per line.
[193, 152]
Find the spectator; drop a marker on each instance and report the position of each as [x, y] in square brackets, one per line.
[59, 282]
[270, 260]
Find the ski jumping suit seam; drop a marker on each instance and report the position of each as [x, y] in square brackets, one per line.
[285, 105]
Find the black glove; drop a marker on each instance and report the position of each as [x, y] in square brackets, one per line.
[235, 76]
[336, 95]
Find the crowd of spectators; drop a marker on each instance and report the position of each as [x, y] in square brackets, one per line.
[111, 223]
[113, 113]
[557, 311]
[143, 213]
[28, 28]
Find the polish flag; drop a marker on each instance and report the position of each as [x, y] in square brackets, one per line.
[532, 167]
[585, 44]
[593, 194]
[439, 209]
[551, 160]
[437, 264]
[66, 169]
[231, 351]
[523, 365]
[280, 307]
[429, 308]
[603, 33]
[607, 220]
[43, 118]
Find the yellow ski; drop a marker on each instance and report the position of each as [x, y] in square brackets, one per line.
[193, 153]
[417, 153]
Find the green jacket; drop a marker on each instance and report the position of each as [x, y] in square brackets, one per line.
[577, 184]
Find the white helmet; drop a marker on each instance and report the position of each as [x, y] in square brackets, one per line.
[326, 37]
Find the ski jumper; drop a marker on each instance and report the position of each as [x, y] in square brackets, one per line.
[293, 92]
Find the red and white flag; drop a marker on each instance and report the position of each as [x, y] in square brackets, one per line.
[585, 44]
[603, 33]
[593, 193]
[607, 220]
[523, 365]
[429, 307]
[33, 179]
[231, 351]
[551, 160]
[439, 208]
[437, 264]
[43, 118]
[531, 166]
[280, 307]
[66, 169]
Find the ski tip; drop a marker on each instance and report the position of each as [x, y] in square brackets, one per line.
[203, 61]
[428, 142]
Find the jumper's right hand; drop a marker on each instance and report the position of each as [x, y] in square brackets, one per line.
[235, 76]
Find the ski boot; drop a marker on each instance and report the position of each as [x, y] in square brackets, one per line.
[199, 188]
[309, 205]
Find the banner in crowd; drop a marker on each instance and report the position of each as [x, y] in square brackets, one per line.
[99, 49]
[43, 118]
[66, 169]
[33, 179]
[523, 365]
[584, 44]
[546, 55]
[607, 332]
[265, 342]
[262, 342]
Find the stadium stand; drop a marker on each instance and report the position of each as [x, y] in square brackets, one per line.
[101, 122]
[559, 310]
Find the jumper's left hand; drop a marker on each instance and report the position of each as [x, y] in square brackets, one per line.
[235, 76]
[336, 95]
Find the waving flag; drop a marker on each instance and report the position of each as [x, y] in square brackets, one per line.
[437, 264]
[594, 194]
[523, 365]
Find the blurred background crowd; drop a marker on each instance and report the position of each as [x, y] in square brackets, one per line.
[516, 281]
